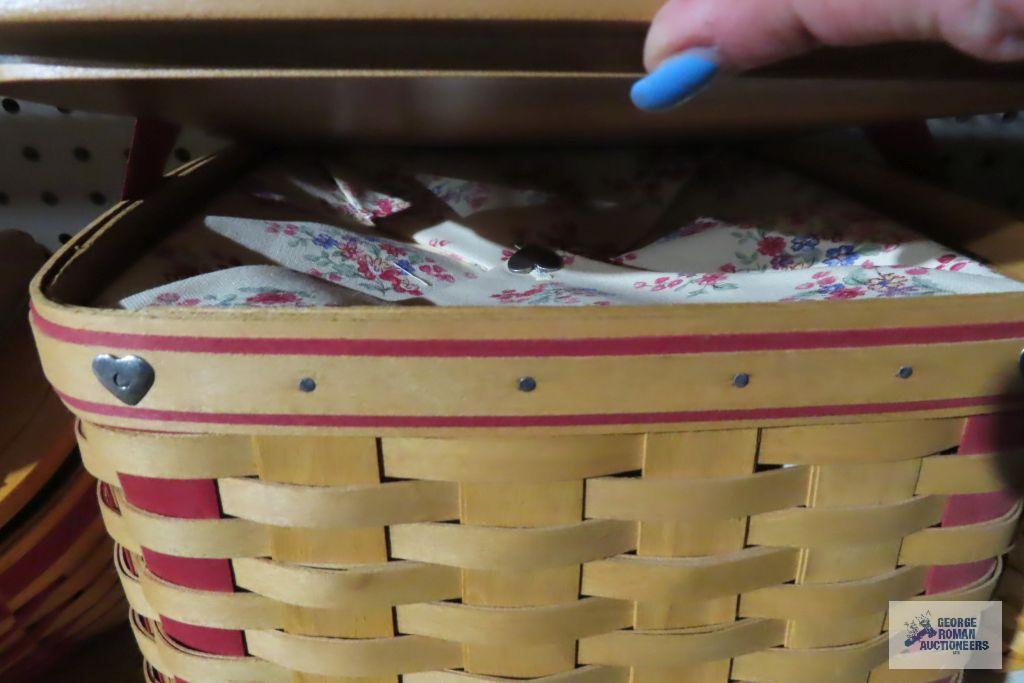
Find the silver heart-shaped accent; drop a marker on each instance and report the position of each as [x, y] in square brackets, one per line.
[129, 378]
[533, 257]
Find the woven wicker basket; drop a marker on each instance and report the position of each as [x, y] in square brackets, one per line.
[57, 579]
[56, 585]
[627, 520]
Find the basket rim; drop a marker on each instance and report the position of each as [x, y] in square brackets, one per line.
[600, 369]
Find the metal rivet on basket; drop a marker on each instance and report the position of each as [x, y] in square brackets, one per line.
[741, 380]
[307, 384]
[527, 384]
[533, 257]
[128, 378]
[905, 372]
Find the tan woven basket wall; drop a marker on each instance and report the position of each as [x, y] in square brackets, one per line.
[352, 568]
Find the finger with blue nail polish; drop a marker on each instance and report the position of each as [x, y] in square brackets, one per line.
[676, 79]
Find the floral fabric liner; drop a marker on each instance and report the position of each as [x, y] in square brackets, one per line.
[256, 286]
[334, 234]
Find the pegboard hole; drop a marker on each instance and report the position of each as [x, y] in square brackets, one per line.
[4, 199]
[30, 153]
[10, 106]
[182, 154]
[81, 154]
[98, 198]
[49, 198]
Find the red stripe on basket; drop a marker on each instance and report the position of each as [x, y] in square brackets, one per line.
[500, 348]
[490, 421]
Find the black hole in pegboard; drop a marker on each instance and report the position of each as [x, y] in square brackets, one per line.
[49, 198]
[182, 155]
[98, 198]
[63, 110]
[1010, 116]
[4, 199]
[81, 154]
[30, 153]
[10, 106]
[63, 238]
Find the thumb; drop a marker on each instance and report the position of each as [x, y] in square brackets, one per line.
[750, 33]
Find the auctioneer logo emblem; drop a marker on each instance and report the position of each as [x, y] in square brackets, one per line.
[935, 634]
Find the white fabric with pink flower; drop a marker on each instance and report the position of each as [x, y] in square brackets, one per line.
[254, 286]
[747, 263]
[810, 244]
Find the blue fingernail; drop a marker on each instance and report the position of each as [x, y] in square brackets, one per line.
[677, 78]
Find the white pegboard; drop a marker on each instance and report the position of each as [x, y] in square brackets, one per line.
[60, 169]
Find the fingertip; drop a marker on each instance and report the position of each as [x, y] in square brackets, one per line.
[677, 26]
[675, 80]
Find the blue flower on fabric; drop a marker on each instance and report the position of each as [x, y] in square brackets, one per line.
[325, 241]
[803, 243]
[782, 262]
[403, 264]
[828, 289]
[841, 256]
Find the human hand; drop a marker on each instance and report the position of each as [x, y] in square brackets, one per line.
[691, 40]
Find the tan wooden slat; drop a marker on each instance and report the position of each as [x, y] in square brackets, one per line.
[524, 590]
[686, 459]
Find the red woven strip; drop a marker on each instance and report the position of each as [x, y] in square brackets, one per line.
[187, 499]
[999, 433]
[183, 498]
[533, 348]
[214, 641]
[491, 421]
[201, 573]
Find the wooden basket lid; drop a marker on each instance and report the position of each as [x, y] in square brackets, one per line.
[445, 70]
